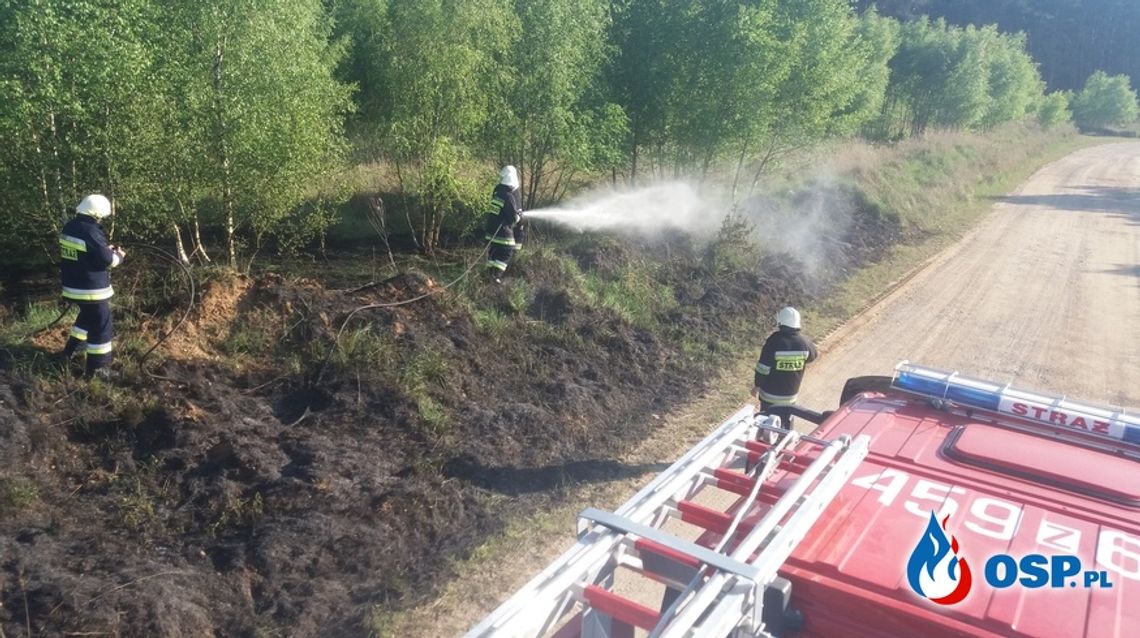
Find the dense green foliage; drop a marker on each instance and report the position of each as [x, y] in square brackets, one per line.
[236, 116]
[225, 109]
[1054, 109]
[1105, 100]
[949, 77]
[1070, 38]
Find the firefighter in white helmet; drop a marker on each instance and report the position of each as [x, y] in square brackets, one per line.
[86, 260]
[780, 369]
[504, 227]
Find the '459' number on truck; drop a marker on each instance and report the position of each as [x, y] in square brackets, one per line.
[999, 519]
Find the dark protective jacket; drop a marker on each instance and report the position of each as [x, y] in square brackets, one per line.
[781, 367]
[85, 260]
[503, 217]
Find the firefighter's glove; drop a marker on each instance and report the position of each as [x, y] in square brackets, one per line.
[119, 254]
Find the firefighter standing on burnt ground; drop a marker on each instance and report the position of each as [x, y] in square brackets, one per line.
[780, 369]
[505, 230]
[86, 260]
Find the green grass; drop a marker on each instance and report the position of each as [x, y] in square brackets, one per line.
[425, 367]
[421, 372]
[491, 322]
[635, 295]
[519, 295]
[136, 505]
[250, 336]
[238, 511]
[35, 318]
[435, 417]
[362, 348]
[17, 493]
[566, 269]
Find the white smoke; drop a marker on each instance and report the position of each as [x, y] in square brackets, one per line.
[648, 211]
[811, 224]
[808, 224]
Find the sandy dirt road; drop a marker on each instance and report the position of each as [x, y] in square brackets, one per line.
[1044, 292]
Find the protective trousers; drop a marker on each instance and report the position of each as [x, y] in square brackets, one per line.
[782, 411]
[92, 333]
[499, 257]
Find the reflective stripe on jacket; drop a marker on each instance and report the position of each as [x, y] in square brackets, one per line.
[780, 369]
[85, 260]
[502, 217]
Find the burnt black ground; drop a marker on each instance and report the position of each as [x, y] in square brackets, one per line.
[207, 506]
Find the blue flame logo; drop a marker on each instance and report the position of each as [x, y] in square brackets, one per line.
[935, 571]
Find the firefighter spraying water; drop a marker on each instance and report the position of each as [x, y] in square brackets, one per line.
[505, 230]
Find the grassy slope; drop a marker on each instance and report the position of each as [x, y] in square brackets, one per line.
[614, 332]
[937, 188]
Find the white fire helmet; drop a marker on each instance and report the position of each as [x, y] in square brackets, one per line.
[509, 176]
[789, 317]
[96, 206]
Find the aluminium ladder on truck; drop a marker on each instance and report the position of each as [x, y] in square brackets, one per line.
[779, 489]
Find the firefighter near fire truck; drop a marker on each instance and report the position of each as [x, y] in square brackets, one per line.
[505, 230]
[86, 259]
[780, 370]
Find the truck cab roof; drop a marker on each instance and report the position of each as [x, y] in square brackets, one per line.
[928, 504]
[1011, 491]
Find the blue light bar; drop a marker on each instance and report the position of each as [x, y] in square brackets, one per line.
[1027, 406]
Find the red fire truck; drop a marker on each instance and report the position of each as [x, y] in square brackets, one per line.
[928, 504]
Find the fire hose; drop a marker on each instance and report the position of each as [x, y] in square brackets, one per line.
[191, 287]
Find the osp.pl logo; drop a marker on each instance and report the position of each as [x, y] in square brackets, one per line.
[939, 574]
[935, 571]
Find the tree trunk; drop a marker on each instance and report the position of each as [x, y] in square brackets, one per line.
[223, 151]
[633, 167]
[379, 218]
[563, 177]
[534, 179]
[45, 192]
[257, 239]
[114, 217]
[109, 168]
[75, 177]
[179, 247]
[563, 185]
[739, 169]
[706, 165]
[760, 168]
[198, 247]
[425, 234]
[436, 225]
[406, 206]
[228, 205]
[57, 223]
[63, 212]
